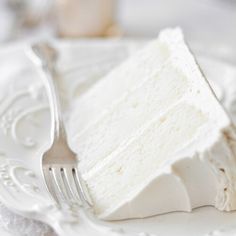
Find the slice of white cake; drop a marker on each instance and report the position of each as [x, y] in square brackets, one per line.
[152, 137]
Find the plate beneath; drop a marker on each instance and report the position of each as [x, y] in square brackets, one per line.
[24, 130]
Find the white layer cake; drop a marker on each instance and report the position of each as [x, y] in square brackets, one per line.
[152, 137]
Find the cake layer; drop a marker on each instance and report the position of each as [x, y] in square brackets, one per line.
[124, 118]
[131, 166]
[112, 87]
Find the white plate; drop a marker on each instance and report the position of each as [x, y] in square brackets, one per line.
[24, 133]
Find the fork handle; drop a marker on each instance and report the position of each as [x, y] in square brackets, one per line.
[44, 57]
[50, 78]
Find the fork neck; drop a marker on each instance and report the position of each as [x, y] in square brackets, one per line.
[50, 80]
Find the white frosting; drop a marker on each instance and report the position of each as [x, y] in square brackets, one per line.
[153, 138]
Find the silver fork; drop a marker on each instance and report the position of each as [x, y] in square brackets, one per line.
[59, 162]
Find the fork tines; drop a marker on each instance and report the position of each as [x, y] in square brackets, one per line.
[66, 186]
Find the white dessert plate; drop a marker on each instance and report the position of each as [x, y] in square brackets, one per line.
[24, 134]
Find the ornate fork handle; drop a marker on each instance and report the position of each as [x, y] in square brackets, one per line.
[48, 57]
